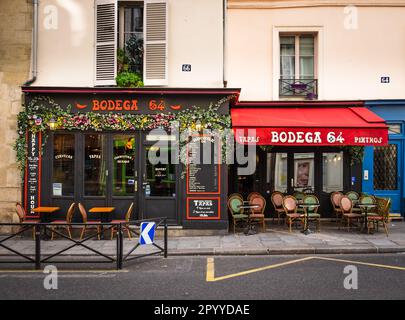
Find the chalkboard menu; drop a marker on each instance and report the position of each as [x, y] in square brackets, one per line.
[203, 171]
[32, 177]
[203, 208]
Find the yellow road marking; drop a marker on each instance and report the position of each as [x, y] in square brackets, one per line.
[363, 263]
[211, 267]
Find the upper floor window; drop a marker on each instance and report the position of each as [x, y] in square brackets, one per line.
[130, 23]
[297, 65]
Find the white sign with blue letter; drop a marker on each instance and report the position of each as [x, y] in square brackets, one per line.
[147, 232]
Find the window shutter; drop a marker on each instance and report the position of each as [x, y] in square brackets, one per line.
[155, 43]
[105, 42]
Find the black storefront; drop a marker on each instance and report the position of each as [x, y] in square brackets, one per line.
[111, 167]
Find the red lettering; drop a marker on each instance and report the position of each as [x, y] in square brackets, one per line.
[127, 105]
[134, 105]
[103, 105]
[118, 105]
[96, 105]
[111, 105]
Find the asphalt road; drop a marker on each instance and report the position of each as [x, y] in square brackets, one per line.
[179, 278]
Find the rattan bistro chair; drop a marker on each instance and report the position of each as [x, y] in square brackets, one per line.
[277, 201]
[257, 214]
[64, 223]
[346, 206]
[125, 222]
[19, 209]
[237, 213]
[87, 224]
[335, 200]
[382, 216]
[290, 209]
[312, 212]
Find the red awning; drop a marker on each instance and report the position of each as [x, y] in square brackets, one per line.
[323, 126]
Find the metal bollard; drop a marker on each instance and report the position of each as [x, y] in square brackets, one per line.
[165, 239]
[120, 246]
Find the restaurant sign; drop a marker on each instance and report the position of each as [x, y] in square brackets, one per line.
[312, 136]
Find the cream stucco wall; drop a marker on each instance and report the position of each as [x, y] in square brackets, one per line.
[66, 54]
[350, 64]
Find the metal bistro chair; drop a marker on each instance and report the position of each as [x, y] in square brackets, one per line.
[277, 201]
[23, 217]
[237, 213]
[125, 222]
[355, 197]
[62, 223]
[290, 209]
[257, 214]
[312, 212]
[346, 205]
[87, 224]
[383, 213]
[299, 196]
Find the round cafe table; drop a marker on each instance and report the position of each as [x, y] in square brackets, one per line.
[250, 229]
[306, 230]
[366, 206]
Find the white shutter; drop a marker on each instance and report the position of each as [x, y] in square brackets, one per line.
[155, 43]
[105, 42]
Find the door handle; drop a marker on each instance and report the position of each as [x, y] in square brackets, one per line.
[136, 186]
[292, 183]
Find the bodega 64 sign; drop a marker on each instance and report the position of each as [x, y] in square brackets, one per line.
[312, 136]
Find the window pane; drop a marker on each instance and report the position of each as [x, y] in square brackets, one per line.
[63, 176]
[332, 171]
[385, 167]
[306, 57]
[123, 165]
[160, 177]
[287, 57]
[307, 45]
[303, 171]
[394, 128]
[95, 165]
[277, 171]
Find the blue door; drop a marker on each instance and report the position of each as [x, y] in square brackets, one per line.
[382, 170]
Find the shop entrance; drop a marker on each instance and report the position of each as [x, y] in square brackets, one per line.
[113, 169]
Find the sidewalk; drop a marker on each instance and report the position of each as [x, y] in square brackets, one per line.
[276, 240]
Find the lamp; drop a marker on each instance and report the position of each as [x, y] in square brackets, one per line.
[52, 124]
[198, 126]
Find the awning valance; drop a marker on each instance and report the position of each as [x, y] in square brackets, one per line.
[302, 126]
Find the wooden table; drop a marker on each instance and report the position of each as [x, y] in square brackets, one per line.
[105, 215]
[47, 210]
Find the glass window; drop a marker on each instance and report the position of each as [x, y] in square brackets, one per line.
[304, 171]
[160, 177]
[123, 165]
[385, 167]
[287, 57]
[307, 54]
[394, 128]
[277, 171]
[94, 165]
[133, 22]
[63, 165]
[332, 171]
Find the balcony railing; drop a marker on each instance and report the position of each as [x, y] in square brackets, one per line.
[306, 88]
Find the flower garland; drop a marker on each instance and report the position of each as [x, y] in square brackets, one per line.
[41, 110]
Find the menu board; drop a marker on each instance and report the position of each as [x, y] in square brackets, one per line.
[203, 171]
[203, 208]
[33, 172]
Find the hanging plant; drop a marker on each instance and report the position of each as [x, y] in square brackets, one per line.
[356, 154]
[38, 113]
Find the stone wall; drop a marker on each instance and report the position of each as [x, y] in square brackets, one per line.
[15, 57]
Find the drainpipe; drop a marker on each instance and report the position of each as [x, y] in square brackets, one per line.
[34, 61]
[224, 80]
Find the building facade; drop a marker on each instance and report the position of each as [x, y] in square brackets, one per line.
[15, 57]
[300, 72]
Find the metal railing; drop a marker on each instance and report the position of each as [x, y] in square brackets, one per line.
[44, 231]
[307, 88]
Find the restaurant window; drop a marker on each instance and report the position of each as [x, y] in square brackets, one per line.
[123, 165]
[297, 65]
[277, 171]
[95, 171]
[304, 173]
[385, 167]
[332, 171]
[63, 165]
[160, 177]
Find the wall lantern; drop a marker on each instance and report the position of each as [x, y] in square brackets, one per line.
[52, 124]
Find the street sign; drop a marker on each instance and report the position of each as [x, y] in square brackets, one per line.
[147, 232]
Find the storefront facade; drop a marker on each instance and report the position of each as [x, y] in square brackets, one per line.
[383, 168]
[112, 167]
